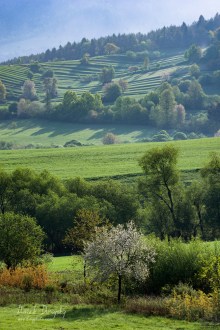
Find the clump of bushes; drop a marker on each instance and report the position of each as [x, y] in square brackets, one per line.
[162, 136]
[27, 278]
[180, 136]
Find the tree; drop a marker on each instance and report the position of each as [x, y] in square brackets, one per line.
[20, 239]
[2, 92]
[50, 87]
[107, 74]
[180, 114]
[123, 84]
[111, 92]
[196, 95]
[146, 63]
[211, 177]
[195, 71]
[29, 91]
[167, 104]
[85, 59]
[22, 108]
[109, 138]
[84, 228]
[193, 54]
[5, 187]
[119, 251]
[111, 48]
[162, 177]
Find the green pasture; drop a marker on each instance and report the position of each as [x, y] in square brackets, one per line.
[65, 317]
[105, 161]
[47, 133]
[65, 263]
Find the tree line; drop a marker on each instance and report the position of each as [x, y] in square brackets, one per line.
[163, 38]
[68, 211]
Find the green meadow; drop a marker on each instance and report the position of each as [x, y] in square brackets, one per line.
[47, 133]
[105, 161]
[65, 317]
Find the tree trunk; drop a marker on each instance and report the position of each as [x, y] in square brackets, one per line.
[84, 271]
[119, 288]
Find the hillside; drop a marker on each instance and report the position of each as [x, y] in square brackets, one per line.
[71, 73]
[44, 133]
[150, 84]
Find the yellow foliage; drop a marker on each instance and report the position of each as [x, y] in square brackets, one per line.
[25, 277]
[192, 307]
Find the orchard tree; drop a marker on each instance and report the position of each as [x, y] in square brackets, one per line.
[29, 90]
[20, 239]
[50, 87]
[2, 92]
[107, 74]
[111, 48]
[119, 251]
[123, 84]
[109, 138]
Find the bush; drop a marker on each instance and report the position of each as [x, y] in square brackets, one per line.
[72, 143]
[6, 145]
[162, 136]
[180, 136]
[25, 278]
[176, 262]
[147, 306]
[109, 138]
[111, 92]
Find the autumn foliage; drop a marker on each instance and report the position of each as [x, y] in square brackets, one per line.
[25, 277]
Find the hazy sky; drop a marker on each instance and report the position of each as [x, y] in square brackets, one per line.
[31, 26]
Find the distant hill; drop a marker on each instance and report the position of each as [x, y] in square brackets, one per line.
[163, 80]
[162, 39]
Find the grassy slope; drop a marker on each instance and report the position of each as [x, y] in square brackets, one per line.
[43, 132]
[102, 161]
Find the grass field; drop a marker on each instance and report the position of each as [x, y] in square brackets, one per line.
[47, 133]
[65, 263]
[105, 161]
[85, 318]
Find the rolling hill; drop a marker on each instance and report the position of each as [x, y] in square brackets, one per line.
[70, 74]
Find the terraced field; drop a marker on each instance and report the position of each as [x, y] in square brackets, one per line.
[105, 161]
[71, 73]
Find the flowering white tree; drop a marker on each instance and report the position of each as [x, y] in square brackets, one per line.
[120, 251]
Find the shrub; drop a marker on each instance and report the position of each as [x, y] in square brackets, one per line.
[147, 306]
[72, 143]
[180, 136]
[176, 262]
[162, 136]
[25, 277]
[109, 138]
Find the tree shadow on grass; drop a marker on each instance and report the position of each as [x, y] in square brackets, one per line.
[81, 313]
